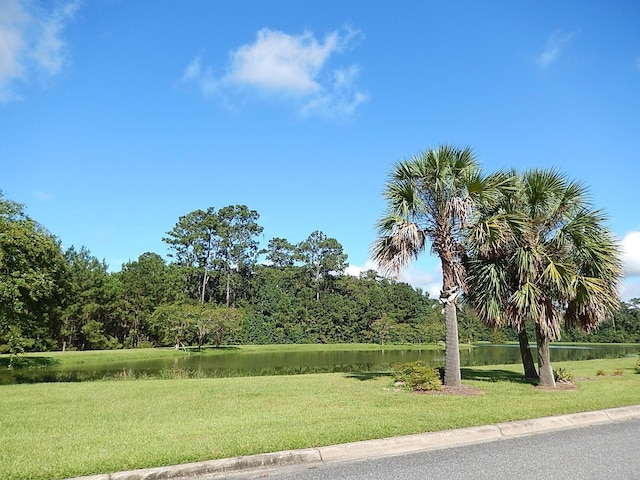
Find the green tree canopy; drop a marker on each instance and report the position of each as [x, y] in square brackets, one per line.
[430, 198]
[32, 270]
[544, 255]
[322, 257]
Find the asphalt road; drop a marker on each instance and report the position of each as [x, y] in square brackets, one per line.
[598, 452]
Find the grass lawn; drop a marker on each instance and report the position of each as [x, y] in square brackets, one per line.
[61, 430]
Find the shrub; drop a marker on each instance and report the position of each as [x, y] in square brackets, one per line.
[618, 372]
[563, 375]
[417, 376]
[601, 373]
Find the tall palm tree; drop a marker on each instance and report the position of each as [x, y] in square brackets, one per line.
[490, 238]
[544, 256]
[429, 199]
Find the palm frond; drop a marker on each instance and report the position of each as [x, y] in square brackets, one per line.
[404, 243]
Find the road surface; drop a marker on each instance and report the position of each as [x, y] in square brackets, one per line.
[598, 452]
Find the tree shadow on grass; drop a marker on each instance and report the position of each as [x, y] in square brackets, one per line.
[495, 376]
[363, 376]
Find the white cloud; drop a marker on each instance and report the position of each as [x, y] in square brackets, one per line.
[292, 67]
[430, 282]
[282, 62]
[31, 42]
[631, 254]
[556, 43]
[355, 270]
[630, 289]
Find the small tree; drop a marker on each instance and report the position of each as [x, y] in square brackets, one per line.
[173, 323]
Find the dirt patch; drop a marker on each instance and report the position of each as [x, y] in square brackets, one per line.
[461, 390]
[560, 387]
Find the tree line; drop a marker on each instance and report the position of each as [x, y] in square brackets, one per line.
[219, 287]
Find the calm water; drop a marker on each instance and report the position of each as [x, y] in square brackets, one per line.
[237, 363]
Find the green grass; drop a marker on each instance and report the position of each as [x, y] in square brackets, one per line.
[61, 430]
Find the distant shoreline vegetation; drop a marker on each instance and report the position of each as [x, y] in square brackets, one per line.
[216, 292]
[261, 360]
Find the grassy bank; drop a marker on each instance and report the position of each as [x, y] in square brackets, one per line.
[53, 431]
[89, 357]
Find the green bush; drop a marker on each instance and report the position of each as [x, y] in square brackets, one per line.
[563, 375]
[417, 376]
[601, 373]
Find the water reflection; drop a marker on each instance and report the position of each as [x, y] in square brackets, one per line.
[238, 363]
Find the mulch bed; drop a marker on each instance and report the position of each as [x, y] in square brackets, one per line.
[560, 387]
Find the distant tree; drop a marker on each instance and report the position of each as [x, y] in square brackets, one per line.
[238, 248]
[323, 257]
[173, 323]
[280, 253]
[147, 283]
[224, 323]
[91, 302]
[382, 328]
[194, 241]
[184, 323]
[32, 270]
[222, 243]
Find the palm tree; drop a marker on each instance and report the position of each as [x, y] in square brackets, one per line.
[430, 198]
[544, 256]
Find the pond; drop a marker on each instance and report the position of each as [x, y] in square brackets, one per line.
[237, 363]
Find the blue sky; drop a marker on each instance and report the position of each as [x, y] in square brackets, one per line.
[117, 117]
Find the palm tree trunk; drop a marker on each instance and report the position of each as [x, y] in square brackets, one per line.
[452, 352]
[544, 360]
[527, 358]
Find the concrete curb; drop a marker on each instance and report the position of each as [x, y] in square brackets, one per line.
[375, 448]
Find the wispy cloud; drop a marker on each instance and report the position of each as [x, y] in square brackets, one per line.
[556, 44]
[31, 42]
[43, 196]
[292, 67]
